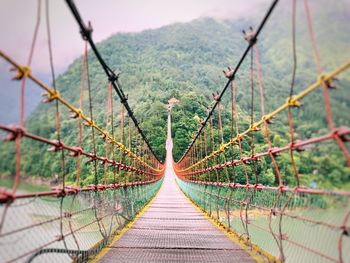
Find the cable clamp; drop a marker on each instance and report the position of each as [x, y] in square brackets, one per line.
[71, 189]
[92, 157]
[56, 147]
[21, 72]
[60, 192]
[255, 127]
[87, 32]
[59, 237]
[292, 102]
[229, 73]
[6, 197]
[100, 187]
[273, 152]
[103, 160]
[51, 95]
[216, 96]
[294, 146]
[76, 113]
[67, 214]
[90, 123]
[221, 149]
[250, 36]
[14, 134]
[328, 81]
[269, 119]
[240, 136]
[124, 99]
[113, 77]
[342, 133]
[75, 151]
[104, 135]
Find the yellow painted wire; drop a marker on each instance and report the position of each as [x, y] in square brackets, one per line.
[24, 71]
[293, 102]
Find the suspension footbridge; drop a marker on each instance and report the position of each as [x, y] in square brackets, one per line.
[172, 230]
[209, 206]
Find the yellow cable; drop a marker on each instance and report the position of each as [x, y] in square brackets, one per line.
[24, 71]
[294, 102]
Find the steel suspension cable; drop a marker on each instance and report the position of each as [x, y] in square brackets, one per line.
[112, 77]
[233, 73]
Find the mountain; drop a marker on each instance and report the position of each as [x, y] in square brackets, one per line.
[186, 60]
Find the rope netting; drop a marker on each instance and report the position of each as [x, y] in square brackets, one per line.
[222, 169]
[121, 173]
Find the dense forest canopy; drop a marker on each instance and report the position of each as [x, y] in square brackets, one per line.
[186, 61]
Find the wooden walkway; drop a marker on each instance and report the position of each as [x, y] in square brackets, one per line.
[173, 230]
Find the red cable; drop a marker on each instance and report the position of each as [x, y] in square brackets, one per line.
[23, 83]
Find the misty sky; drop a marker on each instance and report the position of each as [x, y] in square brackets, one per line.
[18, 17]
[17, 20]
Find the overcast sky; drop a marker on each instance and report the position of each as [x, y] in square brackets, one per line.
[17, 20]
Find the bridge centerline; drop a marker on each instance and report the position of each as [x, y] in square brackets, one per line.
[162, 232]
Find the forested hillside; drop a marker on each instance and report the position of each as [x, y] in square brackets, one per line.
[186, 61]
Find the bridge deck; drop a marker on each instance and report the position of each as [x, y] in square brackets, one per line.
[172, 230]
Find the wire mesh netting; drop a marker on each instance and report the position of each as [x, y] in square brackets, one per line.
[97, 161]
[258, 166]
[75, 227]
[306, 227]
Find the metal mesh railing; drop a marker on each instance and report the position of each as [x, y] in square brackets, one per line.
[269, 190]
[100, 176]
[75, 227]
[311, 225]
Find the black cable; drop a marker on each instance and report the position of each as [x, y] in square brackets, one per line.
[251, 44]
[84, 254]
[112, 77]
